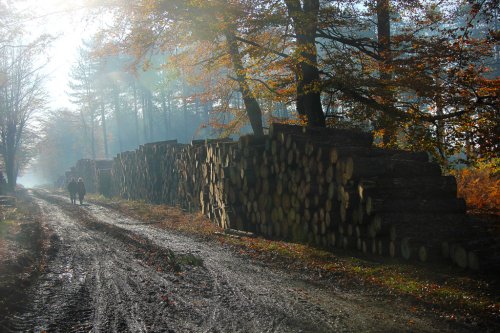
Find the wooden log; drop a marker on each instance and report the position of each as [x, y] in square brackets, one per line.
[372, 245]
[383, 245]
[299, 183]
[470, 253]
[393, 247]
[337, 153]
[208, 141]
[251, 140]
[431, 205]
[368, 245]
[333, 136]
[410, 248]
[486, 259]
[358, 168]
[404, 187]
[337, 136]
[459, 255]
[276, 128]
[429, 252]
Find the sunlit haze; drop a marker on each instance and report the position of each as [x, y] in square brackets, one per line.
[68, 21]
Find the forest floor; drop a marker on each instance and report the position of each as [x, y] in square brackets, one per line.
[116, 266]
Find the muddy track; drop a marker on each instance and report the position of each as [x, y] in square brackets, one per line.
[110, 273]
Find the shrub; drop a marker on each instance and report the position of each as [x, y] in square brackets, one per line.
[480, 186]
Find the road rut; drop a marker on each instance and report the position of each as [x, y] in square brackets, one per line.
[107, 272]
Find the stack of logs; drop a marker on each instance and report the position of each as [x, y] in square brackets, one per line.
[89, 170]
[327, 187]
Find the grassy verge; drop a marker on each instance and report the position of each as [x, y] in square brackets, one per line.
[21, 252]
[458, 295]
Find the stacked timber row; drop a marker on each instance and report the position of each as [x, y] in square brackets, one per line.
[147, 173]
[327, 187]
[296, 186]
[89, 170]
[231, 190]
[173, 173]
[211, 194]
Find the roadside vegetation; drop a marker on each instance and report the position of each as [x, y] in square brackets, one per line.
[480, 187]
[22, 249]
[457, 295]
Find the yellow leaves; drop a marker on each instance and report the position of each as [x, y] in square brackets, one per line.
[489, 87]
[378, 136]
[420, 66]
[480, 187]
[300, 120]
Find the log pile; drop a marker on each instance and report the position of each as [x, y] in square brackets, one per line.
[143, 174]
[172, 173]
[326, 187]
[89, 171]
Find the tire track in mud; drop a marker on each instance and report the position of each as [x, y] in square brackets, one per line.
[82, 272]
[111, 273]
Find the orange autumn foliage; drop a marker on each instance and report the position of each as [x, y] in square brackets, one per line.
[480, 187]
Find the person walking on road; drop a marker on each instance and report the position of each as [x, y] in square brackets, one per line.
[73, 189]
[81, 190]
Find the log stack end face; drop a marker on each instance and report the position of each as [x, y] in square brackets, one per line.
[328, 187]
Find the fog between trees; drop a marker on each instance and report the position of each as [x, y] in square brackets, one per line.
[422, 75]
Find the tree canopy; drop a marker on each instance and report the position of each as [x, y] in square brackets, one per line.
[422, 75]
[22, 93]
[419, 73]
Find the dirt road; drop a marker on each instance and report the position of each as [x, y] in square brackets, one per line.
[106, 272]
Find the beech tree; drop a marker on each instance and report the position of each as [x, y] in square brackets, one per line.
[21, 96]
[60, 146]
[188, 23]
[305, 15]
[412, 71]
[84, 95]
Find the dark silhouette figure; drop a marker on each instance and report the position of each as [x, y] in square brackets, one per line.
[3, 184]
[73, 189]
[81, 190]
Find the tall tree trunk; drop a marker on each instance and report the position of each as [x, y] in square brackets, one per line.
[184, 110]
[440, 133]
[104, 129]
[251, 105]
[10, 151]
[85, 132]
[116, 100]
[165, 113]
[387, 123]
[169, 115]
[185, 114]
[305, 22]
[92, 123]
[10, 166]
[92, 134]
[207, 108]
[147, 114]
[384, 31]
[136, 117]
[144, 115]
[149, 103]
